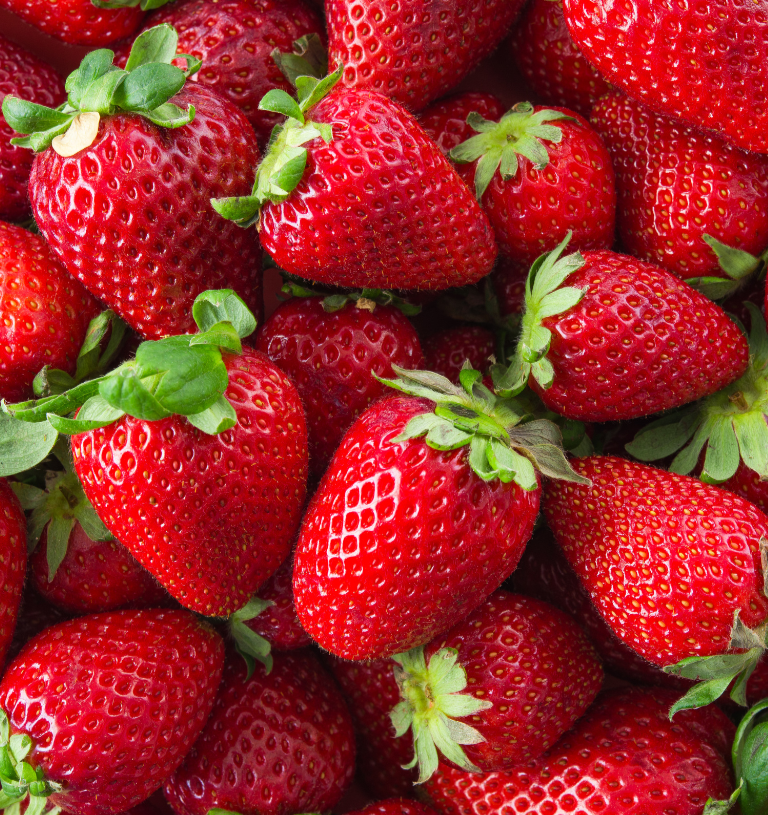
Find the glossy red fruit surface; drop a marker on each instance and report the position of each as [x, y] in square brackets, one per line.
[131, 217]
[677, 184]
[396, 806]
[275, 744]
[45, 312]
[667, 560]
[447, 351]
[113, 702]
[378, 207]
[333, 357]
[13, 562]
[211, 517]
[402, 541]
[748, 484]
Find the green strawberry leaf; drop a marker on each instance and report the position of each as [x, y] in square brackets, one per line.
[148, 87]
[220, 416]
[223, 306]
[145, 5]
[59, 530]
[308, 59]
[750, 759]
[250, 645]
[23, 445]
[723, 807]
[28, 117]
[278, 101]
[158, 44]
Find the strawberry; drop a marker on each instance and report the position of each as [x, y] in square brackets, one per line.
[529, 673]
[13, 561]
[551, 61]
[678, 187]
[414, 55]
[662, 54]
[334, 348]
[623, 339]
[509, 278]
[121, 193]
[623, 756]
[395, 806]
[393, 506]
[21, 74]
[352, 192]
[108, 706]
[275, 744]
[35, 615]
[447, 351]
[538, 180]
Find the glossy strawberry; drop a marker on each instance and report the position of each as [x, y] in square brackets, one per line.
[447, 351]
[395, 806]
[13, 561]
[112, 703]
[275, 744]
[414, 55]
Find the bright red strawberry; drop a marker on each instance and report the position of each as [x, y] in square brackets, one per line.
[677, 184]
[333, 348]
[112, 703]
[393, 506]
[13, 562]
[551, 61]
[21, 74]
[395, 806]
[623, 339]
[126, 207]
[275, 744]
[541, 173]
[506, 683]
[447, 351]
[663, 55]
[623, 756]
[414, 55]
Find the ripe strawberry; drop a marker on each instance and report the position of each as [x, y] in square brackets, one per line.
[509, 278]
[21, 74]
[623, 339]
[333, 348]
[447, 351]
[275, 744]
[623, 756]
[395, 806]
[127, 207]
[551, 61]
[394, 507]
[414, 55]
[13, 561]
[352, 192]
[111, 703]
[45, 312]
[529, 672]
[662, 54]
[538, 180]
[677, 185]
[35, 615]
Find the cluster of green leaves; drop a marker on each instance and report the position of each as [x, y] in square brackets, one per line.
[145, 5]
[98, 86]
[738, 265]
[338, 300]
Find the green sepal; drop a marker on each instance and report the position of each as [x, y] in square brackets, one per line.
[144, 5]
[20, 782]
[250, 645]
[308, 58]
[737, 264]
[750, 760]
[223, 306]
[363, 298]
[23, 445]
[220, 416]
[713, 807]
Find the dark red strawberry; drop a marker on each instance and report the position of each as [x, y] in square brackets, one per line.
[111, 703]
[35, 615]
[447, 351]
[275, 744]
[395, 806]
[414, 55]
[13, 562]
[509, 278]
[333, 348]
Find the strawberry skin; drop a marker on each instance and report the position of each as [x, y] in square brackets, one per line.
[130, 216]
[13, 563]
[447, 351]
[21, 74]
[387, 512]
[45, 312]
[275, 744]
[667, 561]
[677, 184]
[211, 517]
[378, 207]
[113, 702]
[395, 806]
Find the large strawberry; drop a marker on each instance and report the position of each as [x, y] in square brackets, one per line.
[683, 60]
[122, 181]
[13, 562]
[405, 536]
[352, 192]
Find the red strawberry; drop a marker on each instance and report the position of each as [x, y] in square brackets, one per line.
[414, 55]
[112, 703]
[623, 339]
[333, 348]
[128, 213]
[447, 351]
[677, 185]
[538, 180]
[275, 744]
[395, 806]
[13, 561]
[509, 278]
[45, 312]
[35, 615]
[623, 756]
[550, 60]
[21, 74]
[529, 673]
[663, 55]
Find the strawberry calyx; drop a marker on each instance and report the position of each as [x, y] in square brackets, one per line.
[144, 5]
[520, 131]
[366, 299]
[285, 159]
[730, 426]
[99, 88]
[738, 265]
[250, 645]
[308, 58]
[504, 442]
[432, 704]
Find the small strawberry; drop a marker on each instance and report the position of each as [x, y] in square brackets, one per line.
[509, 278]
[447, 352]
[395, 806]
[102, 709]
[13, 562]
[275, 744]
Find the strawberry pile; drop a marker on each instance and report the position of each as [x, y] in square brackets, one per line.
[383, 407]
